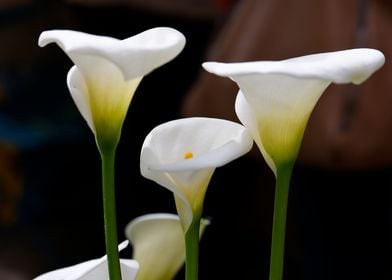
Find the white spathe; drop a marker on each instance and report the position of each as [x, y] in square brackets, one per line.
[96, 269]
[107, 71]
[181, 155]
[276, 98]
[158, 245]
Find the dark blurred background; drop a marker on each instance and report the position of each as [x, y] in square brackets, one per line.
[339, 221]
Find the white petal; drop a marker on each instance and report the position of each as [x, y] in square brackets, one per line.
[67, 272]
[212, 143]
[246, 115]
[135, 56]
[183, 203]
[129, 269]
[354, 65]
[96, 269]
[79, 93]
[158, 242]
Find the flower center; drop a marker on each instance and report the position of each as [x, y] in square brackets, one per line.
[188, 155]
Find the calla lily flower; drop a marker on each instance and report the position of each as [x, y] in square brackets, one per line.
[93, 270]
[158, 245]
[107, 71]
[182, 155]
[276, 98]
[275, 101]
[102, 82]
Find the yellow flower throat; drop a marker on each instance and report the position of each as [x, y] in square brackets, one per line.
[188, 155]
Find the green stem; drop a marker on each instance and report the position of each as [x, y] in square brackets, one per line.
[279, 222]
[109, 209]
[192, 250]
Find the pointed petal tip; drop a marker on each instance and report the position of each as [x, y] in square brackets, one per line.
[123, 245]
[377, 55]
[372, 61]
[158, 38]
[371, 55]
[176, 35]
[57, 36]
[43, 39]
[206, 221]
[210, 66]
[224, 69]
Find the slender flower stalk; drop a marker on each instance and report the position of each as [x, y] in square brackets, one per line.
[109, 206]
[181, 156]
[102, 82]
[275, 101]
[279, 221]
[192, 250]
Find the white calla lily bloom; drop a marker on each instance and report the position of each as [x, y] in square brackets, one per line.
[276, 98]
[93, 270]
[158, 245]
[182, 155]
[107, 71]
